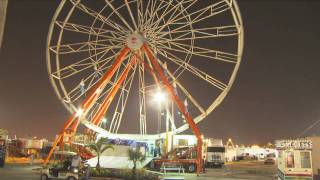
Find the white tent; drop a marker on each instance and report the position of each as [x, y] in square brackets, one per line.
[116, 162]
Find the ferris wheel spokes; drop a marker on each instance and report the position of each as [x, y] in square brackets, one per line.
[98, 16]
[201, 52]
[201, 14]
[184, 90]
[195, 71]
[120, 16]
[207, 32]
[84, 64]
[142, 99]
[121, 104]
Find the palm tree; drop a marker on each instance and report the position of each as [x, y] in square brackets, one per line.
[135, 156]
[99, 147]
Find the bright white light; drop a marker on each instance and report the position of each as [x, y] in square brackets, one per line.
[104, 120]
[79, 112]
[159, 97]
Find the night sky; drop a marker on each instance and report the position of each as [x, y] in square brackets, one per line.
[276, 93]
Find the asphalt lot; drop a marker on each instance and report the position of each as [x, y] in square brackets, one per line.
[19, 172]
[239, 170]
[233, 171]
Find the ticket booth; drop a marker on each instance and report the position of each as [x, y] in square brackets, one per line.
[294, 161]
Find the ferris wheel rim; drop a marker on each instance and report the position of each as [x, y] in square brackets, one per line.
[236, 14]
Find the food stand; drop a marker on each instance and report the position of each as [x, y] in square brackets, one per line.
[294, 160]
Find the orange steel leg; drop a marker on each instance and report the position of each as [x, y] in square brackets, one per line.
[109, 98]
[59, 139]
[89, 101]
[179, 103]
[106, 78]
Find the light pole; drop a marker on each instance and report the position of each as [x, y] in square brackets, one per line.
[160, 98]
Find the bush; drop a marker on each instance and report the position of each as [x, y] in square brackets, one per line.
[100, 173]
[125, 174]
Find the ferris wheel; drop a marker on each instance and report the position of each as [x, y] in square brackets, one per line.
[108, 59]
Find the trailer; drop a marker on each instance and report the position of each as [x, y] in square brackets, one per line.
[294, 160]
[214, 155]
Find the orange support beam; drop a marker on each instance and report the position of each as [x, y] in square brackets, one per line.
[109, 98]
[179, 103]
[106, 78]
[89, 101]
[59, 139]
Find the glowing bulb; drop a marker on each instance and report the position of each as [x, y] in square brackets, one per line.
[159, 97]
[104, 120]
[79, 112]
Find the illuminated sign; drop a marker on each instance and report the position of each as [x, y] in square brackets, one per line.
[294, 144]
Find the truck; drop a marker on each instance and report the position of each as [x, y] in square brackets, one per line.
[214, 153]
[183, 153]
[3, 140]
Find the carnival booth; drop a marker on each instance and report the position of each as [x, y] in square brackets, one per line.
[294, 160]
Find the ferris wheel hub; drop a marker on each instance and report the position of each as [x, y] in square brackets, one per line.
[135, 41]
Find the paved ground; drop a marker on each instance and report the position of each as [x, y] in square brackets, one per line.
[239, 170]
[19, 172]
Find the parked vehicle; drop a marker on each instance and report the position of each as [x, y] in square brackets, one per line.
[183, 151]
[269, 161]
[214, 153]
[62, 169]
[184, 156]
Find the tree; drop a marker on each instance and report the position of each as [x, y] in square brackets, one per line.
[100, 147]
[135, 155]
